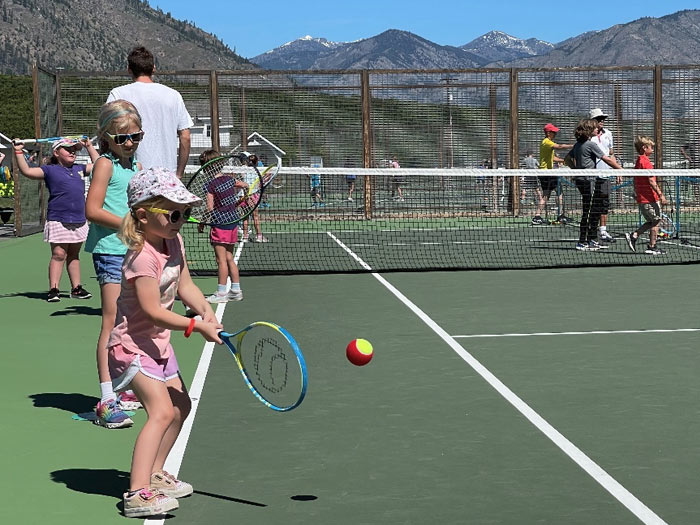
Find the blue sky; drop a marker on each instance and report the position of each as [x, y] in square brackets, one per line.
[253, 28]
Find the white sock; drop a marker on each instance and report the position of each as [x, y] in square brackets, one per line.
[107, 392]
[235, 286]
[602, 229]
[221, 289]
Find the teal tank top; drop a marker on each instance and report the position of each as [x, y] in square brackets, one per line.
[101, 239]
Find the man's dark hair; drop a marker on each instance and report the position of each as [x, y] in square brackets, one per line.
[141, 62]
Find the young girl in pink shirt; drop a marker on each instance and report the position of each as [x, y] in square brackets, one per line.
[140, 354]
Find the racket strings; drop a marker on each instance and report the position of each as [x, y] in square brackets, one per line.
[271, 366]
[225, 178]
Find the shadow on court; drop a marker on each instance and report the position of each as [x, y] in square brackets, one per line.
[78, 310]
[29, 295]
[75, 403]
[229, 498]
[103, 482]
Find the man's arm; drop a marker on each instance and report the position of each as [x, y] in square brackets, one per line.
[183, 151]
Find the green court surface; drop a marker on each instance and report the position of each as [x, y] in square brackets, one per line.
[490, 400]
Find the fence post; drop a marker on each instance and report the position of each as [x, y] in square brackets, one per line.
[214, 109]
[514, 144]
[658, 115]
[244, 131]
[37, 134]
[59, 105]
[366, 97]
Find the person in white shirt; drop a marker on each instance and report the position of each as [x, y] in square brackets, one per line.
[604, 140]
[166, 122]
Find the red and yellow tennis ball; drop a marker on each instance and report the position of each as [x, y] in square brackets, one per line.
[359, 352]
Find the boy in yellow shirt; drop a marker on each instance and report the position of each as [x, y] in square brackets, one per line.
[548, 183]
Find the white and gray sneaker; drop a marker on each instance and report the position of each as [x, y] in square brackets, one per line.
[235, 295]
[216, 298]
[606, 237]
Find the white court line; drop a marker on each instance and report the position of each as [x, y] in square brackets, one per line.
[634, 505]
[591, 332]
[174, 460]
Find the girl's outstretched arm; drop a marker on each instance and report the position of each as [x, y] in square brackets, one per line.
[24, 168]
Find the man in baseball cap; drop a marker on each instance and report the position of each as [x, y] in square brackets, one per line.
[604, 140]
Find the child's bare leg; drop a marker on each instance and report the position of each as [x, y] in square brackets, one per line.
[182, 406]
[155, 398]
[541, 201]
[653, 233]
[221, 264]
[109, 294]
[73, 262]
[232, 266]
[58, 259]
[256, 222]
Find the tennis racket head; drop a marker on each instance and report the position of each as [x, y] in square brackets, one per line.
[230, 185]
[271, 363]
[269, 174]
[666, 225]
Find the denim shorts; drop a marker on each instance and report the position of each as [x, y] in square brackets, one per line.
[108, 268]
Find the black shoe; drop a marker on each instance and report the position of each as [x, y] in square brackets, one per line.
[537, 220]
[53, 296]
[631, 241]
[653, 250]
[80, 293]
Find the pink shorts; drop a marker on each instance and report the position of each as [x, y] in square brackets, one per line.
[124, 365]
[220, 236]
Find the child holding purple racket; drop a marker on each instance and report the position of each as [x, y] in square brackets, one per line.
[223, 237]
[66, 227]
[140, 354]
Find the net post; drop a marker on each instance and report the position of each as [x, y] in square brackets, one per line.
[366, 97]
[214, 110]
[514, 145]
[658, 115]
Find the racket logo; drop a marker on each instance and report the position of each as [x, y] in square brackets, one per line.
[272, 371]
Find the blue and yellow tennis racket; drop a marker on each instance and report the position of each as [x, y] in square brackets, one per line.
[271, 363]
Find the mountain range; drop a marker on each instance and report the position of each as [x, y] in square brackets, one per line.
[672, 39]
[71, 34]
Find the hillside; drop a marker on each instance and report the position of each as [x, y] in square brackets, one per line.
[670, 40]
[72, 34]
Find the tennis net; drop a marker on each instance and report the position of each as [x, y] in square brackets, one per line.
[332, 220]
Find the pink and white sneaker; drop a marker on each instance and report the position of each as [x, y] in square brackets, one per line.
[129, 401]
